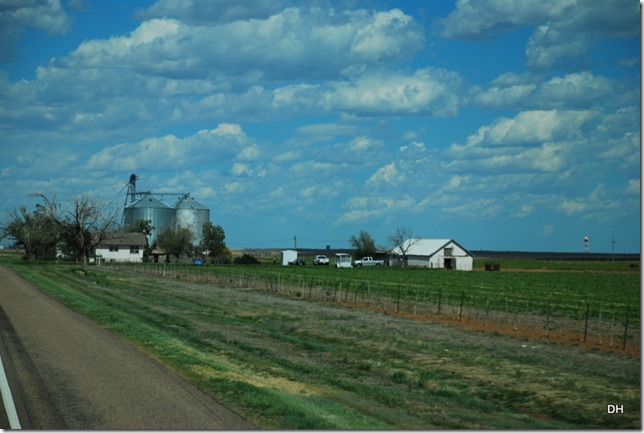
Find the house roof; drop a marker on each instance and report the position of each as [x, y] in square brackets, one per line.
[425, 247]
[128, 239]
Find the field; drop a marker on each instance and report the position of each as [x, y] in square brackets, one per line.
[316, 348]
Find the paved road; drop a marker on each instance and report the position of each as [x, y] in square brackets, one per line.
[66, 372]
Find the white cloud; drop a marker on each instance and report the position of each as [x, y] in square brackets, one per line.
[171, 151]
[565, 29]
[387, 174]
[16, 16]
[210, 11]
[429, 91]
[531, 127]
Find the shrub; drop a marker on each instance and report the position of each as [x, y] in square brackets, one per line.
[246, 259]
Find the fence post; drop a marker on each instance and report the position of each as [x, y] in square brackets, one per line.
[398, 299]
[586, 323]
[548, 313]
[460, 310]
[612, 327]
[625, 329]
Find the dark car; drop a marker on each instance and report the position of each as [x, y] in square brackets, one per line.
[297, 262]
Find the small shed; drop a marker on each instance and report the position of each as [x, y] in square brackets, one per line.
[122, 247]
[343, 260]
[435, 254]
[288, 256]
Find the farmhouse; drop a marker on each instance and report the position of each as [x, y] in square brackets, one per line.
[434, 253]
[122, 247]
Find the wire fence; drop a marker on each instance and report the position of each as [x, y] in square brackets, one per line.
[605, 324]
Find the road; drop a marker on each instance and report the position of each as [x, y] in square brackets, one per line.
[66, 372]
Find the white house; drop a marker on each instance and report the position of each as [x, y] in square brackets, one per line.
[435, 253]
[122, 247]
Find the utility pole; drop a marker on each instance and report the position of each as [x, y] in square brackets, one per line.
[613, 249]
[295, 241]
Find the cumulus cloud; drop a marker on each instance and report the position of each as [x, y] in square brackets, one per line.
[575, 90]
[531, 127]
[426, 91]
[565, 29]
[16, 16]
[170, 151]
[293, 43]
[210, 11]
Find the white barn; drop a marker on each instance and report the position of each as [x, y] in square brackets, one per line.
[435, 253]
[122, 247]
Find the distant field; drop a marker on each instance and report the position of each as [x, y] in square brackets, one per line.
[289, 362]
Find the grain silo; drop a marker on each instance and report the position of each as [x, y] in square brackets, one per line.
[149, 207]
[191, 214]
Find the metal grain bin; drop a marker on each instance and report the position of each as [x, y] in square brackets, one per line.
[150, 208]
[192, 215]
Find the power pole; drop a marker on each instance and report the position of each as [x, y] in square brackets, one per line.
[613, 249]
[295, 241]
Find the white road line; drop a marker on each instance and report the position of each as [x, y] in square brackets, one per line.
[7, 399]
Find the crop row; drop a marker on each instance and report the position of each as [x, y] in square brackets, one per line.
[535, 292]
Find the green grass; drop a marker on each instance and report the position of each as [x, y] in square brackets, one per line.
[290, 363]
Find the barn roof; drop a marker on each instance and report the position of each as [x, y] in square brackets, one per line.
[425, 247]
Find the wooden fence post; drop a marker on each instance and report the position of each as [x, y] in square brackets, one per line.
[586, 322]
[625, 329]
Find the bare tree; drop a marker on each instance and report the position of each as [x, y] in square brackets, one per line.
[402, 240]
[83, 225]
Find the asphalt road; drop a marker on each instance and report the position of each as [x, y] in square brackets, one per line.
[66, 372]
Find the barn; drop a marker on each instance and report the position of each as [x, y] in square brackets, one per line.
[122, 247]
[434, 253]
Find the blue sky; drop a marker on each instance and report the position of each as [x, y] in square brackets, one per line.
[504, 125]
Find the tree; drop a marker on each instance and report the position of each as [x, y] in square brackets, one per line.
[363, 244]
[176, 242]
[82, 225]
[142, 226]
[402, 240]
[213, 242]
[34, 231]
[145, 227]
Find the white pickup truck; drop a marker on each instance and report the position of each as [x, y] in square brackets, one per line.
[368, 261]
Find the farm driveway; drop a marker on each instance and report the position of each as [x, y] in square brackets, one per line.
[66, 372]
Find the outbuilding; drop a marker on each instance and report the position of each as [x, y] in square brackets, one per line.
[122, 247]
[434, 254]
[288, 256]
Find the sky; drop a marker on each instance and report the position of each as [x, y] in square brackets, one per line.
[505, 125]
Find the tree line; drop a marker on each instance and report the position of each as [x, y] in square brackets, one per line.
[76, 228]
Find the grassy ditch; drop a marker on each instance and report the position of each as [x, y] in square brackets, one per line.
[289, 363]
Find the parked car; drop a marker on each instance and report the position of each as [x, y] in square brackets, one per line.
[368, 261]
[321, 260]
[297, 262]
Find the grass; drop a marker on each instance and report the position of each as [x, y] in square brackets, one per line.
[290, 363]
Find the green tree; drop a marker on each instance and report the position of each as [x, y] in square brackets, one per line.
[213, 242]
[145, 227]
[176, 242]
[35, 231]
[363, 244]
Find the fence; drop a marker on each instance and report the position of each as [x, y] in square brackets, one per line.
[601, 324]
